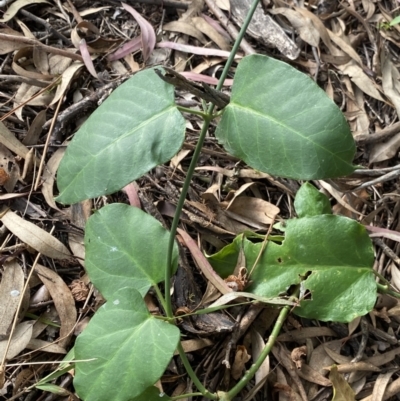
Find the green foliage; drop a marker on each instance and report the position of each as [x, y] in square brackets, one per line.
[395, 21]
[130, 347]
[310, 202]
[280, 122]
[329, 256]
[125, 247]
[137, 128]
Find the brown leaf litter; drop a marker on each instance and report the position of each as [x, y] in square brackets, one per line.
[60, 60]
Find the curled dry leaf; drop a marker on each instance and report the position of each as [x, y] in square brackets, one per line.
[67, 76]
[298, 355]
[241, 358]
[34, 236]
[87, 59]
[19, 340]
[358, 76]
[22, 68]
[11, 286]
[63, 301]
[16, 6]
[148, 34]
[49, 176]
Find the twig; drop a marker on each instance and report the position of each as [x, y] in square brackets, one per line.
[383, 135]
[18, 78]
[46, 25]
[34, 42]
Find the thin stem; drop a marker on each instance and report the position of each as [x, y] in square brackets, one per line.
[168, 270]
[193, 375]
[191, 111]
[267, 349]
[385, 290]
[160, 297]
[179, 207]
[179, 397]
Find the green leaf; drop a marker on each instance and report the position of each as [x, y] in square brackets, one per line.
[125, 247]
[395, 21]
[280, 122]
[53, 388]
[310, 202]
[137, 128]
[331, 256]
[132, 350]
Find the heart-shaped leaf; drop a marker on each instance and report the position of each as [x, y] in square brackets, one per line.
[130, 347]
[280, 122]
[125, 247]
[137, 128]
[330, 256]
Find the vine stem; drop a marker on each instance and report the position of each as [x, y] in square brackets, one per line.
[267, 349]
[169, 265]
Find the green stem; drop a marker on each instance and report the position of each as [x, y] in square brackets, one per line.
[191, 111]
[179, 397]
[384, 289]
[160, 297]
[267, 349]
[193, 375]
[179, 207]
[168, 270]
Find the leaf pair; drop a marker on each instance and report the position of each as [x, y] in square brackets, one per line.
[278, 121]
[125, 256]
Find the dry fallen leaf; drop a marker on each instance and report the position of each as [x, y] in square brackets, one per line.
[241, 358]
[16, 6]
[341, 389]
[34, 236]
[63, 301]
[11, 286]
[19, 340]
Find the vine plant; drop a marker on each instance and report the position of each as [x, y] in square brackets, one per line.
[277, 121]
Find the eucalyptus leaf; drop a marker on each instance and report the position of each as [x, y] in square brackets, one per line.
[280, 122]
[330, 256]
[137, 128]
[132, 350]
[125, 247]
